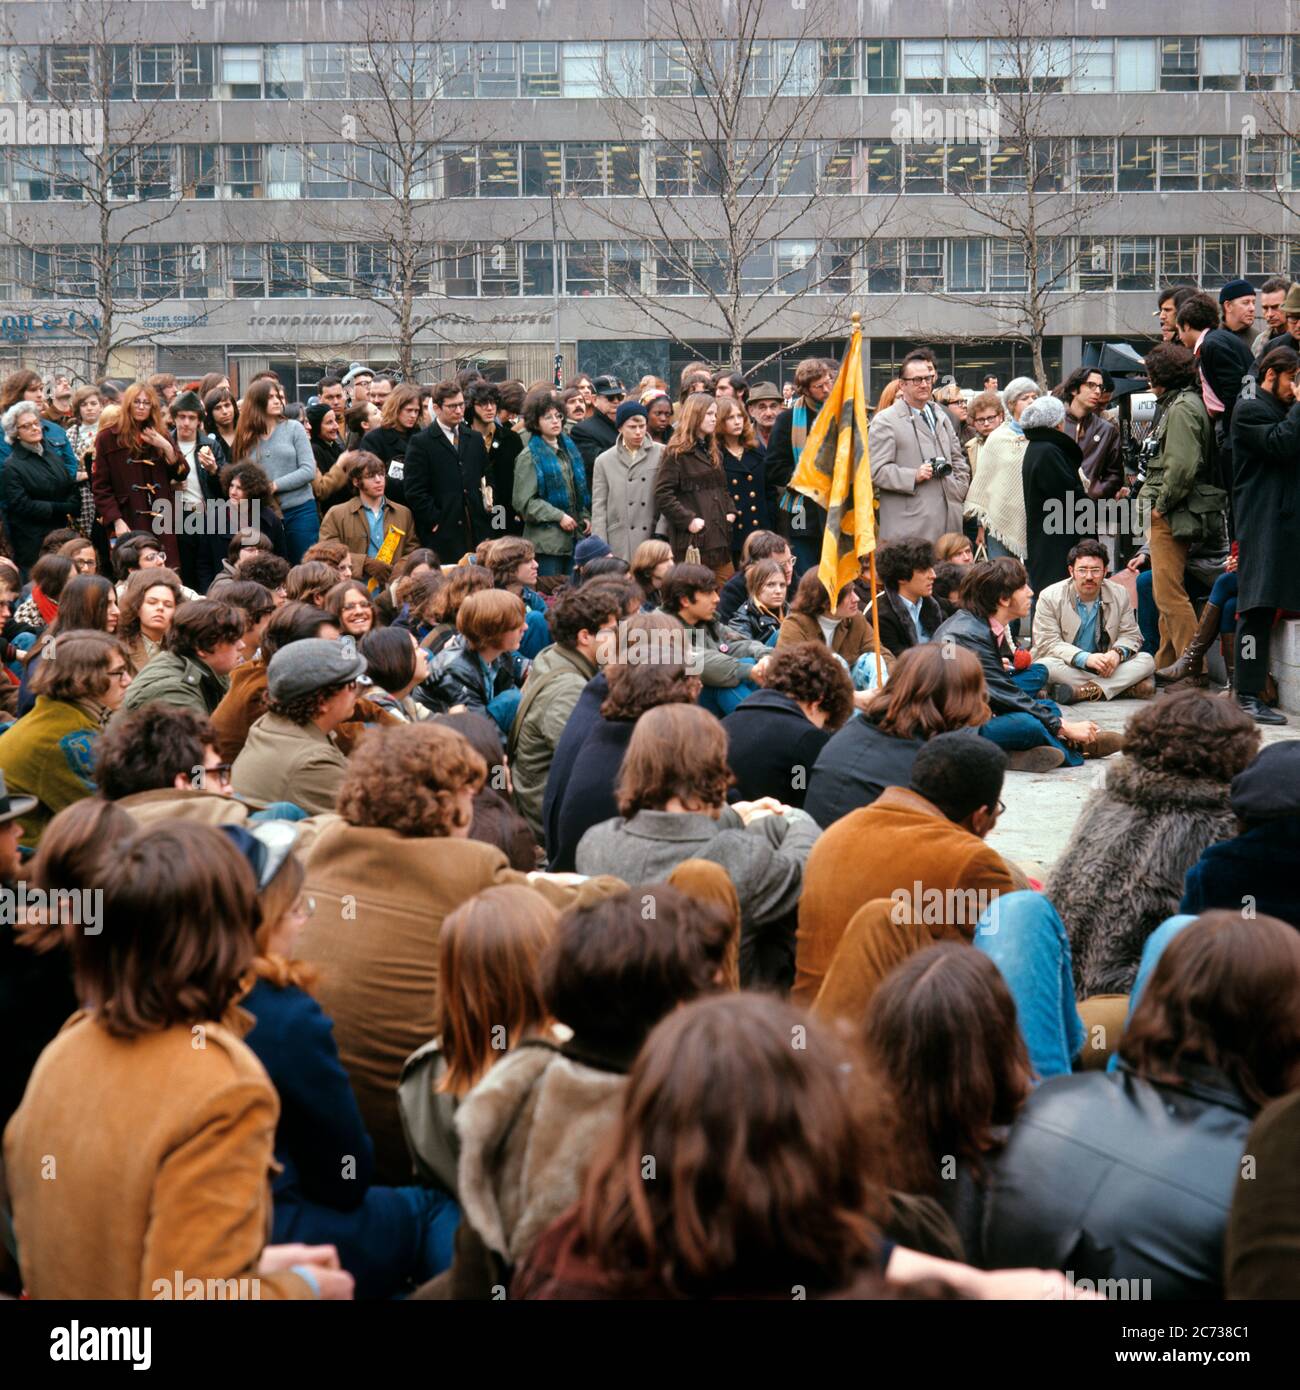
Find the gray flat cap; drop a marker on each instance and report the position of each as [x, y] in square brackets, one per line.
[311, 664]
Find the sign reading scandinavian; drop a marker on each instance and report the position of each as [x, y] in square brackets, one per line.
[309, 321]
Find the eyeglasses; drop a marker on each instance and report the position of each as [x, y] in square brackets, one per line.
[220, 772]
[619, 397]
[1001, 808]
[356, 607]
[933, 376]
[118, 672]
[986, 419]
[305, 906]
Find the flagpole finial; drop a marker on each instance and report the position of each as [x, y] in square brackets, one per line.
[856, 319]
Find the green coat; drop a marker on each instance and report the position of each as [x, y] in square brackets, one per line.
[172, 679]
[1179, 479]
[542, 520]
[557, 679]
[49, 754]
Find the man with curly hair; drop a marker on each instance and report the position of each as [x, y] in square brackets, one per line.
[290, 754]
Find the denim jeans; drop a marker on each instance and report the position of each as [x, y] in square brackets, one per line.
[1032, 679]
[1016, 732]
[1152, 950]
[537, 634]
[1023, 935]
[554, 564]
[301, 530]
[722, 699]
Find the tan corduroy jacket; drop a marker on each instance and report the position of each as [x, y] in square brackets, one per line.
[133, 1164]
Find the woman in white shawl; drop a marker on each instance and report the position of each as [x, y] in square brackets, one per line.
[996, 498]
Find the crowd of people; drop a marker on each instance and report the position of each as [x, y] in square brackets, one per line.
[447, 799]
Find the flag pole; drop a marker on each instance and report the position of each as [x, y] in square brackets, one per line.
[856, 319]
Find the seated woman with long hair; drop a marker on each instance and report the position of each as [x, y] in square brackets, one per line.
[1129, 1174]
[941, 1029]
[148, 604]
[50, 753]
[151, 1094]
[388, 1238]
[770, 1172]
[395, 664]
[651, 562]
[489, 1000]
[931, 691]
[672, 799]
[764, 609]
[88, 603]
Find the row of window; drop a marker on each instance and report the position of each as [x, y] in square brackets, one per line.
[593, 169]
[767, 67]
[887, 265]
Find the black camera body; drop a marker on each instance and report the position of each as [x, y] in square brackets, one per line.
[941, 468]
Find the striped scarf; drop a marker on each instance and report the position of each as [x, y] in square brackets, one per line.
[551, 486]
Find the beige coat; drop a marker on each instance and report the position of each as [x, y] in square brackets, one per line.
[345, 523]
[623, 510]
[380, 903]
[907, 507]
[283, 761]
[1056, 621]
[131, 1160]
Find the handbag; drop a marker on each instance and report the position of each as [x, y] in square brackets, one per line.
[692, 555]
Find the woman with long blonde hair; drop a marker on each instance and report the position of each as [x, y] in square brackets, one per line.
[691, 489]
[137, 467]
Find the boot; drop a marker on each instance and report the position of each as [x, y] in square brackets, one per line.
[1041, 759]
[1259, 711]
[1108, 741]
[1191, 665]
[1228, 651]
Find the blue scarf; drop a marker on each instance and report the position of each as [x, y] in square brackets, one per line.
[551, 486]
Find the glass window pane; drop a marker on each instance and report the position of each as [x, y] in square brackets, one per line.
[625, 263]
[1007, 170]
[1219, 256]
[796, 266]
[839, 60]
[1094, 263]
[967, 65]
[327, 171]
[243, 171]
[1007, 265]
[584, 169]
[1264, 164]
[672, 267]
[625, 68]
[496, 70]
[838, 161]
[835, 266]
[284, 171]
[796, 170]
[1221, 162]
[327, 70]
[1178, 64]
[1135, 263]
[459, 171]
[584, 268]
[582, 70]
[884, 266]
[500, 270]
[498, 171]
[624, 168]
[1266, 256]
[1094, 164]
[456, 70]
[539, 275]
[1220, 64]
[884, 166]
[459, 267]
[966, 265]
[923, 65]
[284, 71]
[883, 65]
[1094, 65]
[1137, 65]
[241, 70]
[539, 69]
[288, 271]
[1178, 260]
[543, 170]
[923, 168]
[1178, 161]
[965, 168]
[1053, 266]
[195, 72]
[1137, 163]
[923, 267]
[1265, 62]
[247, 268]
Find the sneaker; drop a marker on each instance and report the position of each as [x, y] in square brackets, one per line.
[1108, 741]
[1259, 711]
[1143, 690]
[1042, 759]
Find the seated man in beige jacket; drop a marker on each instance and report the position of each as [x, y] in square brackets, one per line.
[363, 524]
[1086, 634]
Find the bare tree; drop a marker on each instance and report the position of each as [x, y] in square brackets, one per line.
[97, 143]
[386, 163]
[731, 228]
[1008, 158]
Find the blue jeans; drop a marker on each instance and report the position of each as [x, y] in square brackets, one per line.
[722, 699]
[1224, 595]
[537, 634]
[554, 564]
[279, 810]
[1152, 950]
[1148, 614]
[1032, 679]
[1016, 732]
[503, 708]
[301, 530]
[1023, 935]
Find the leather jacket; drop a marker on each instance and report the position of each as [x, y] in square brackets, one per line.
[1103, 464]
[1005, 696]
[1114, 1177]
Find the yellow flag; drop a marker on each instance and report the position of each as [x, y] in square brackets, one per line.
[835, 473]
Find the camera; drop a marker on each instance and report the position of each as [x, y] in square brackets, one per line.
[939, 467]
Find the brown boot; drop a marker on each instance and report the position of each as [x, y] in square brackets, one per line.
[1191, 665]
[1108, 741]
[1228, 651]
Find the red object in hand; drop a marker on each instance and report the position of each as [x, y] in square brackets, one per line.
[1022, 659]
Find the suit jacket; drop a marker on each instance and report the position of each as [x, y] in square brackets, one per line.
[1056, 622]
[898, 448]
[593, 436]
[1224, 360]
[444, 491]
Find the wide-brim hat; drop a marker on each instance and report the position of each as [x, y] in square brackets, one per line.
[1291, 304]
[764, 391]
[11, 807]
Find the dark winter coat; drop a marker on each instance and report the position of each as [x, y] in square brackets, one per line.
[690, 485]
[504, 450]
[583, 719]
[755, 509]
[39, 497]
[593, 436]
[771, 747]
[126, 483]
[1128, 857]
[444, 491]
[755, 623]
[969, 630]
[855, 766]
[458, 677]
[589, 791]
[1053, 488]
[1259, 863]
[897, 631]
[1110, 1176]
[1266, 502]
[389, 446]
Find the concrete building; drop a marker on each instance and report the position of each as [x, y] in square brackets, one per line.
[553, 197]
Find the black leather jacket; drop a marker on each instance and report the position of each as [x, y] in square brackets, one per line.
[1112, 1177]
[1005, 696]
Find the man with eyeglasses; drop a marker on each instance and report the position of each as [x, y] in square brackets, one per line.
[446, 464]
[598, 431]
[918, 469]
